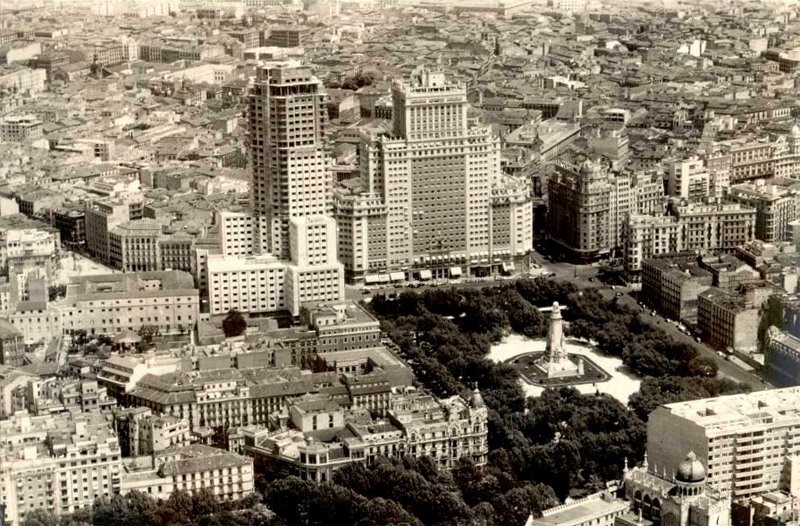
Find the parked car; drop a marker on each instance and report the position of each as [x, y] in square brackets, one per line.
[365, 290]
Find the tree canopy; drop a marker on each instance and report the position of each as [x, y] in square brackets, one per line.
[234, 324]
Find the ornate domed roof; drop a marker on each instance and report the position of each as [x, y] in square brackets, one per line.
[476, 402]
[691, 469]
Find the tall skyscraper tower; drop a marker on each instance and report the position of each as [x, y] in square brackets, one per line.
[434, 197]
[287, 117]
[291, 204]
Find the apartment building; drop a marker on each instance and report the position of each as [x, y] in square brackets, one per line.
[71, 224]
[749, 442]
[246, 284]
[30, 251]
[511, 211]
[20, 128]
[729, 273]
[140, 432]
[688, 179]
[645, 237]
[787, 154]
[178, 252]
[193, 468]
[178, 49]
[341, 326]
[121, 374]
[60, 462]
[729, 319]
[12, 349]
[715, 226]
[134, 246]
[782, 358]
[112, 303]
[751, 158]
[672, 285]
[416, 425]
[586, 209]
[776, 205]
[286, 37]
[361, 221]
[102, 215]
[17, 79]
[237, 232]
[38, 396]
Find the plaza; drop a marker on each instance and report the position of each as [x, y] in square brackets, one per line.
[621, 384]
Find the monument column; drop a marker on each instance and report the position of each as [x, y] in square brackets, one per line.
[555, 336]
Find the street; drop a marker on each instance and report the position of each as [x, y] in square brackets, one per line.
[726, 368]
[586, 276]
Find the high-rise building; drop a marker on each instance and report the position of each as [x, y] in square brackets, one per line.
[289, 228]
[287, 116]
[750, 443]
[431, 189]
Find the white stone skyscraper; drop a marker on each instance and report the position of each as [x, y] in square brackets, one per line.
[282, 253]
[290, 176]
[435, 201]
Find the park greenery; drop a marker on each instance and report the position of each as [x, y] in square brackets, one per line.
[542, 449]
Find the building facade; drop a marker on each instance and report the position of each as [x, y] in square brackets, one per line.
[433, 195]
[727, 320]
[672, 286]
[748, 441]
[60, 462]
[782, 358]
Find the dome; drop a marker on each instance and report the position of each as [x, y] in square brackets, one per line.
[477, 400]
[795, 131]
[691, 469]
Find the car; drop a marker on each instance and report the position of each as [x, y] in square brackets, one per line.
[652, 313]
[365, 290]
[698, 339]
[613, 287]
[618, 294]
[721, 354]
[591, 280]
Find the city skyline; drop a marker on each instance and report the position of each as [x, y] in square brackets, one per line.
[399, 262]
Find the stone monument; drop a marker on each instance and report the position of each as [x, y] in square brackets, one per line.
[555, 363]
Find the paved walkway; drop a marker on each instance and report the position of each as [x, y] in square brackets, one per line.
[621, 385]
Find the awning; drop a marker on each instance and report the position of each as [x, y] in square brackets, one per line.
[397, 276]
[455, 272]
[371, 279]
[425, 274]
[383, 278]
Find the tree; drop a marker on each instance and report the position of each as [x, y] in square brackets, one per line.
[40, 517]
[234, 324]
[148, 332]
[204, 502]
[55, 292]
[383, 512]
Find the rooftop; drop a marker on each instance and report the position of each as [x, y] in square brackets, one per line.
[741, 410]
